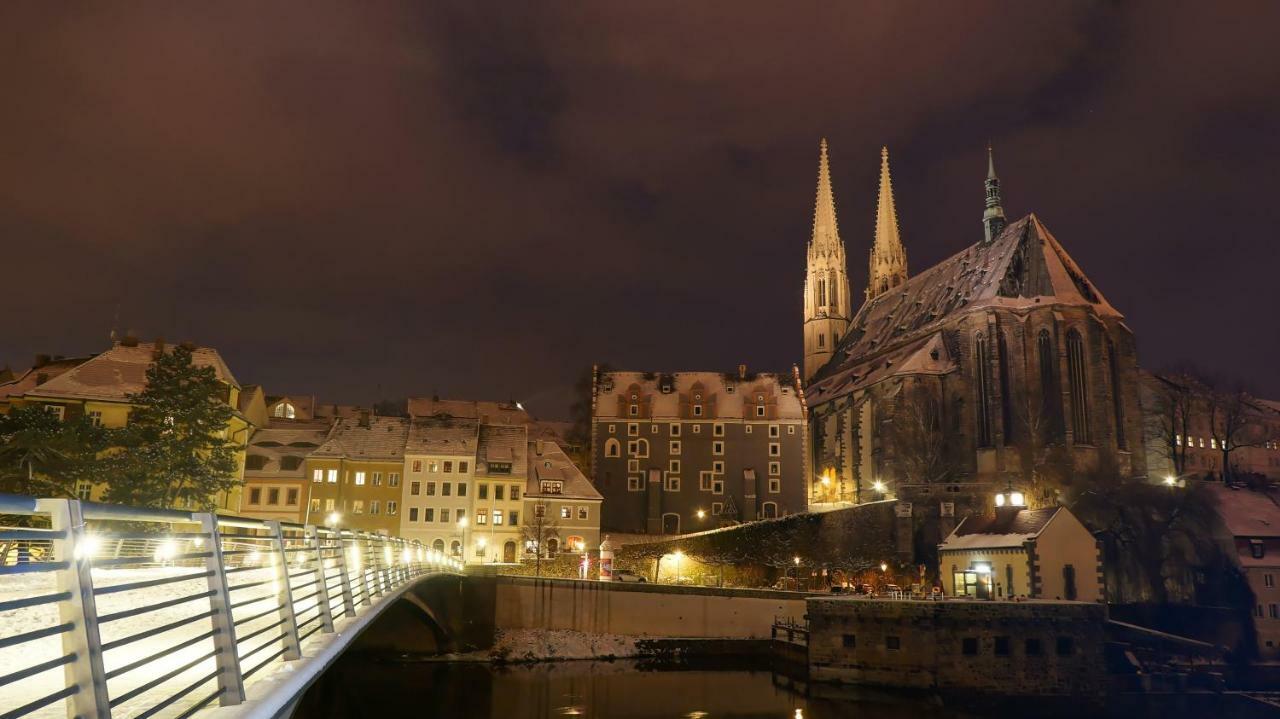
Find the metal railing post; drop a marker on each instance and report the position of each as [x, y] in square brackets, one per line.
[367, 569]
[86, 673]
[284, 594]
[230, 679]
[348, 603]
[322, 580]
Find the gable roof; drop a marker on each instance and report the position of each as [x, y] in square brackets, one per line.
[1024, 267]
[276, 443]
[547, 461]
[502, 443]
[382, 440]
[36, 376]
[121, 371]
[1000, 530]
[437, 435]
[1248, 513]
[483, 411]
[730, 392]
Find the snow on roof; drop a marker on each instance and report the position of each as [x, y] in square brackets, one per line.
[442, 435]
[547, 461]
[1248, 513]
[121, 371]
[1002, 530]
[725, 395]
[1023, 267]
[483, 411]
[276, 443]
[382, 439]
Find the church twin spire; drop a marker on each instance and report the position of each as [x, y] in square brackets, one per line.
[888, 256]
[826, 233]
[993, 220]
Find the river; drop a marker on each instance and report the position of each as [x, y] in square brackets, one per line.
[360, 686]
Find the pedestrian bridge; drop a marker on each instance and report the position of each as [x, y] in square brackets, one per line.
[110, 611]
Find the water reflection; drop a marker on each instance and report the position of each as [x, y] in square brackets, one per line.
[360, 687]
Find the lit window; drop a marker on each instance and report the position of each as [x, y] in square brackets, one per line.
[565, 513]
[675, 446]
[775, 469]
[333, 476]
[1213, 442]
[95, 418]
[377, 479]
[433, 466]
[317, 475]
[393, 479]
[357, 507]
[497, 517]
[482, 516]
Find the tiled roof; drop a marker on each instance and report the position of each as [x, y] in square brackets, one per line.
[551, 463]
[276, 443]
[731, 392]
[121, 371]
[1023, 267]
[1248, 513]
[434, 435]
[383, 439]
[30, 379]
[1001, 530]
[502, 443]
[482, 411]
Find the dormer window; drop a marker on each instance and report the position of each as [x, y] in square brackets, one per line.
[634, 410]
[697, 410]
[285, 410]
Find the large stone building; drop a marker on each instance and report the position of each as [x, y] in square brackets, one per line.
[683, 452]
[981, 371]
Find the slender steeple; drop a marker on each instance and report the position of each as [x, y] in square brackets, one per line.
[993, 221]
[888, 256]
[827, 306]
[826, 234]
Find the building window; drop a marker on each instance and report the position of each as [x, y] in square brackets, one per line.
[717, 508]
[566, 512]
[1069, 581]
[1274, 610]
[462, 467]
[1079, 392]
[255, 495]
[775, 485]
[415, 488]
[433, 466]
[377, 479]
[653, 428]
[775, 449]
[57, 410]
[393, 479]
[982, 378]
[333, 476]
[775, 431]
[697, 429]
[673, 466]
[893, 643]
[769, 510]
[1002, 646]
[717, 430]
[1050, 396]
[497, 517]
[717, 447]
[969, 646]
[672, 484]
[417, 465]
[1257, 548]
[718, 466]
[429, 514]
[448, 466]
[633, 429]
[328, 504]
[1268, 580]
[373, 507]
[1117, 395]
[746, 429]
[633, 410]
[633, 484]
[675, 429]
[95, 418]
[697, 410]
[515, 492]
[675, 446]
[759, 410]
[642, 448]
[273, 495]
[1006, 393]
[357, 507]
[446, 489]
[613, 429]
[582, 513]
[1034, 648]
[612, 448]
[704, 481]
[413, 514]
[482, 516]
[1066, 646]
[317, 475]
[849, 641]
[84, 490]
[499, 491]
[775, 469]
[633, 465]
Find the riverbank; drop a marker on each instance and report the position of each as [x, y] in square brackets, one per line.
[526, 646]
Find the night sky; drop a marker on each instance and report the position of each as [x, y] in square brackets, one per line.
[367, 200]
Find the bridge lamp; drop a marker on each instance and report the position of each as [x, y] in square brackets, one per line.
[333, 518]
[406, 556]
[462, 522]
[353, 557]
[481, 542]
[166, 551]
[386, 554]
[198, 542]
[88, 546]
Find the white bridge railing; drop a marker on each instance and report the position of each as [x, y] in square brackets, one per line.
[113, 610]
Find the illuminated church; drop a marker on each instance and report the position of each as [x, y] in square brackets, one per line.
[1000, 365]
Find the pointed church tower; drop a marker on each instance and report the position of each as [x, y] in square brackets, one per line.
[993, 221]
[888, 256]
[827, 308]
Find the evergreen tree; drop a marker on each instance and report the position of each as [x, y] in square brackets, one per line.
[174, 451]
[43, 456]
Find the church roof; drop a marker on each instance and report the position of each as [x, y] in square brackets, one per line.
[1024, 267]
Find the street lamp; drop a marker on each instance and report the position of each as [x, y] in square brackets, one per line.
[462, 536]
[332, 519]
[1170, 481]
[702, 514]
[678, 555]
[796, 561]
[878, 486]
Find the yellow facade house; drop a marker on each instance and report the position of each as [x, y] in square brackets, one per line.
[98, 388]
[355, 476]
[1019, 552]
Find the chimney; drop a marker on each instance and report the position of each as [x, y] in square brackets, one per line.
[742, 371]
[41, 360]
[129, 339]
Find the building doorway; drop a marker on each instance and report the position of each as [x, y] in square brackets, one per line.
[670, 523]
[509, 552]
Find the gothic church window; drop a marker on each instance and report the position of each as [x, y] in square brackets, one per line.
[1006, 400]
[1117, 397]
[982, 369]
[1049, 394]
[1079, 391]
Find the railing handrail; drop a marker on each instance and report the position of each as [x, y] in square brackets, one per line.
[314, 575]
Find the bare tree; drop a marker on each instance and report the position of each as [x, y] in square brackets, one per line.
[1169, 417]
[539, 527]
[1234, 423]
[915, 438]
[1045, 462]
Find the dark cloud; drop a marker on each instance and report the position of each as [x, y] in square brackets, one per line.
[366, 200]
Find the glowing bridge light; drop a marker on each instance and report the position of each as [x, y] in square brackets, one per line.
[88, 546]
[166, 551]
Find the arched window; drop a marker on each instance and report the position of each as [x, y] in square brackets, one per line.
[982, 370]
[1079, 391]
[438, 545]
[1006, 393]
[769, 510]
[1117, 395]
[1008, 579]
[642, 445]
[285, 410]
[455, 548]
[1050, 395]
[822, 293]
[575, 543]
[833, 294]
[612, 448]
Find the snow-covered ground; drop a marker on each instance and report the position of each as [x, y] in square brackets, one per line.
[529, 645]
[34, 652]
